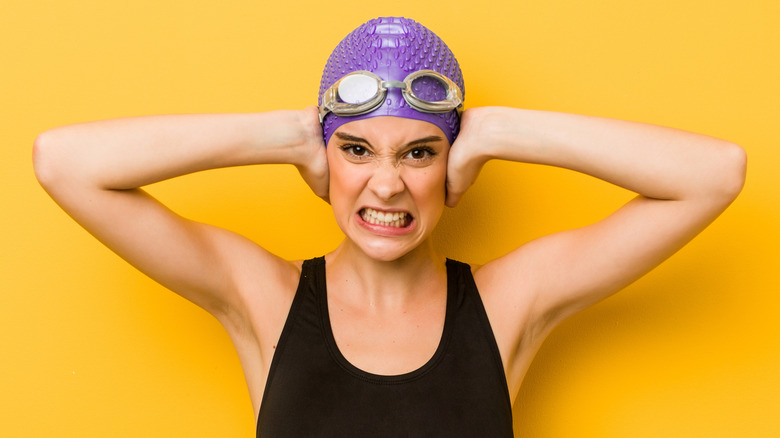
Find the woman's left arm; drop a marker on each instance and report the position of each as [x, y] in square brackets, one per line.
[683, 181]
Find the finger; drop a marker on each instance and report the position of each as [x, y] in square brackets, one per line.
[453, 200]
[324, 192]
[452, 197]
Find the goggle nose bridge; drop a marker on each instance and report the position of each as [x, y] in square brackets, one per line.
[393, 84]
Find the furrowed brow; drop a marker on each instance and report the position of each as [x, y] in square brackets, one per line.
[429, 139]
[351, 138]
[355, 139]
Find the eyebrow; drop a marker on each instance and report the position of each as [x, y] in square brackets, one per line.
[428, 139]
[356, 139]
[350, 137]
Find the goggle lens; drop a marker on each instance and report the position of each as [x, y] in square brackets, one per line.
[357, 89]
[429, 88]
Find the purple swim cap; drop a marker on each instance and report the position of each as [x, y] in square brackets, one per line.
[392, 48]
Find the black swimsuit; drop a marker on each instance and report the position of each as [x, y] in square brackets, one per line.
[313, 391]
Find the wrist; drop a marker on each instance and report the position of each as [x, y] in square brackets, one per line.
[282, 137]
[506, 133]
[489, 128]
[309, 141]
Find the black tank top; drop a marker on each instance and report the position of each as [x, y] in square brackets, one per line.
[313, 391]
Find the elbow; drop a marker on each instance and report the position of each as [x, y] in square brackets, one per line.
[51, 162]
[733, 169]
[43, 163]
[722, 177]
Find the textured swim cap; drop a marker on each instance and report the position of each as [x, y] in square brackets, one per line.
[391, 48]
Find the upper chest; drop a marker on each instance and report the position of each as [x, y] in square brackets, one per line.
[387, 341]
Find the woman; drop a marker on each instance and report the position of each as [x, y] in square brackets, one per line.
[383, 336]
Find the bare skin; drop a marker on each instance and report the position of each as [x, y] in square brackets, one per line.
[386, 283]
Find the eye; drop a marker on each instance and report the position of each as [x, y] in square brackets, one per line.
[420, 153]
[355, 150]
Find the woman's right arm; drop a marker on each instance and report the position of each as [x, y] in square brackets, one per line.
[94, 171]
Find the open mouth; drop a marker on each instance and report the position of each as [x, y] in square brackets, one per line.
[394, 219]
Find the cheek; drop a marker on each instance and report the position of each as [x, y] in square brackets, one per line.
[341, 199]
[346, 183]
[336, 170]
[429, 185]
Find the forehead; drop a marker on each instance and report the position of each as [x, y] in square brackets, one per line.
[389, 131]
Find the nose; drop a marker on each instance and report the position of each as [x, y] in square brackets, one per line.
[386, 181]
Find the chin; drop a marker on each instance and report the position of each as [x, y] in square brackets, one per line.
[386, 251]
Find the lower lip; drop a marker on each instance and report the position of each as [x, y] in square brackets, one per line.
[385, 230]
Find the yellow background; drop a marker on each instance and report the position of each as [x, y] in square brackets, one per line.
[91, 348]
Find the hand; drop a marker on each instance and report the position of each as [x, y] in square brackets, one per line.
[466, 156]
[313, 166]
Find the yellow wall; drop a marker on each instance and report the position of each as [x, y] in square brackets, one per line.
[90, 348]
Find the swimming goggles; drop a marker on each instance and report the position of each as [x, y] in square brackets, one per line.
[361, 92]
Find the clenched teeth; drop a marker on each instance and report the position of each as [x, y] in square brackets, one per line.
[396, 219]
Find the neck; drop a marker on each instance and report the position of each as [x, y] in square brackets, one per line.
[364, 281]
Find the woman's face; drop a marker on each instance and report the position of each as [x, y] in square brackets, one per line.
[387, 183]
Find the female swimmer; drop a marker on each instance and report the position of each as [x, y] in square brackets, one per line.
[383, 336]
